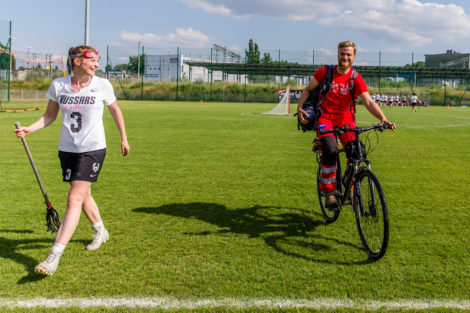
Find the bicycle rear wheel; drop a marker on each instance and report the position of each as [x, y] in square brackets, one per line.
[371, 212]
[328, 214]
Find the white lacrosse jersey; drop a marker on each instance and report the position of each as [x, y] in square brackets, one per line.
[82, 113]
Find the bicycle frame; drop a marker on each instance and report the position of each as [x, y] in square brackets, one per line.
[344, 181]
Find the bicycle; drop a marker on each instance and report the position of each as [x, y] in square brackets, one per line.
[360, 184]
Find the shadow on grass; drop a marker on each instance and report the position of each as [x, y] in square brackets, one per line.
[9, 247]
[287, 230]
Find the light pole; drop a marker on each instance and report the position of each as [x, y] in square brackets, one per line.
[11, 57]
[138, 61]
[87, 12]
[169, 51]
[28, 47]
[9, 74]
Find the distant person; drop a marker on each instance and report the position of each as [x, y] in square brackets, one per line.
[80, 97]
[338, 110]
[397, 100]
[378, 98]
[414, 102]
[404, 100]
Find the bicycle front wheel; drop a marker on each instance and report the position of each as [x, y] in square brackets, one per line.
[329, 215]
[371, 212]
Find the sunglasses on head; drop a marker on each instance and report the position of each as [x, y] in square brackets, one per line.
[89, 54]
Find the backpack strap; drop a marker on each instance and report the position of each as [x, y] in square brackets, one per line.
[326, 83]
[352, 89]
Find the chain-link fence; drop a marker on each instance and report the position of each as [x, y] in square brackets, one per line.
[219, 74]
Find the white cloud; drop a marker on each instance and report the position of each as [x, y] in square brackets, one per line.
[244, 9]
[287, 9]
[182, 37]
[388, 21]
[408, 21]
[216, 8]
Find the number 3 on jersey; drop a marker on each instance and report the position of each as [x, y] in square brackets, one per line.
[76, 123]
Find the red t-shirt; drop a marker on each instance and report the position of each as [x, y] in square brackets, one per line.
[338, 100]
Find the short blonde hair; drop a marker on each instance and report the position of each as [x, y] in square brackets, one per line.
[345, 44]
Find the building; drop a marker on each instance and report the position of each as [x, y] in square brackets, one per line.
[450, 59]
[169, 67]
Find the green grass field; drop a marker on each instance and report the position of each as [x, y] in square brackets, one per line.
[217, 201]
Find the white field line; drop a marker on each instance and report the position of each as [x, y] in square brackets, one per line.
[173, 303]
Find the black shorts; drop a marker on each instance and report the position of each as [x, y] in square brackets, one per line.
[84, 166]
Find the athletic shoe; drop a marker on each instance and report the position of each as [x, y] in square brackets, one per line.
[331, 201]
[49, 266]
[101, 235]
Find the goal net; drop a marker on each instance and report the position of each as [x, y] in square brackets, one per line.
[283, 107]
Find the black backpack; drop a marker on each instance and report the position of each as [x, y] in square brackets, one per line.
[312, 106]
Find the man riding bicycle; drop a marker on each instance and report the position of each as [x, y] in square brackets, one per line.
[338, 109]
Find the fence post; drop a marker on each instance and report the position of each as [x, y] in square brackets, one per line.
[412, 71]
[210, 93]
[279, 70]
[142, 78]
[177, 70]
[380, 62]
[313, 58]
[10, 63]
[445, 79]
[107, 61]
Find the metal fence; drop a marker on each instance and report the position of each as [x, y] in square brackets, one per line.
[218, 74]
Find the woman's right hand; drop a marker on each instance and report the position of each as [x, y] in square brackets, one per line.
[22, 132]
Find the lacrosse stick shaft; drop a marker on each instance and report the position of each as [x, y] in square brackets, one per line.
[30, 157]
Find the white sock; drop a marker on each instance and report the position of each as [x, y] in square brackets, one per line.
[58, 247]
[98, 225]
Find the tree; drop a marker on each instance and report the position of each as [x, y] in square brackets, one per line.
[133, 63]
[419, 64]
[266, 58]
[252, 54]
[5, 59]
[122, 67]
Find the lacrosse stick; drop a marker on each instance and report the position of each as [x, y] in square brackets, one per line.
[52, 217]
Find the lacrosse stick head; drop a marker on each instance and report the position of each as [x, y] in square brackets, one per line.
[52, 219]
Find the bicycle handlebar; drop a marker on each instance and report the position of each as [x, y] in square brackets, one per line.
[357, 130]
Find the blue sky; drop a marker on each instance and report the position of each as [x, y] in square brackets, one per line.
[390, 26]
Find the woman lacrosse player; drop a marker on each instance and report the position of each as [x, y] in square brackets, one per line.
[80, 97]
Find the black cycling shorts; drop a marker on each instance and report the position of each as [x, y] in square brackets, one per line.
[84, 166]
